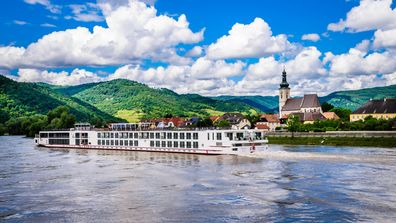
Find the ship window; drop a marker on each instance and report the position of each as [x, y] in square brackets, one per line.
[188, 144]
[157, 143]
[99, 142]
[77, 135]
[175, 144]
[126, 135]
[121, 143]
[116, 143]
[195, 135]
[112, 135]
[195, 144]
[234, 149]
[131, 135]
[135, 135]
[169, 135]
[116, 135]
[151, 143]
[107, 142]
[169, 144]
[103, 142]
[219, 136]
[208, 136]
[163, 143]
[136, 143]
[130, 142]
[188, 135]
[77, 142]
[175, 135]
[99, 135]
[163, 135]
[112, 142]
[151, 135]
[125, 142]
[182, 135]
[229, 135]
[182, 145]
[157, 135]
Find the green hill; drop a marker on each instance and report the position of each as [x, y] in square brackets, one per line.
[354, 99]
[267, 104]
[343, 99]
[19, 99]
[131, 100]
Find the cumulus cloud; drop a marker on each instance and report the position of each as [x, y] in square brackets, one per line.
[49, 25]
[203, 76]
[248, 41]
[368, 15]
[77, 76]
[134, 32]
[314, 37]
[385, 38]
[196, 51]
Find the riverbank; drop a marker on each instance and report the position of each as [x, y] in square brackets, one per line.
[389, 142]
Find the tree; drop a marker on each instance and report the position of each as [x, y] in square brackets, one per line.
[3, 129]
[223, 124]
[293, 124]
[343, 113]
[326, 106]
[253, 118]
[207, 122]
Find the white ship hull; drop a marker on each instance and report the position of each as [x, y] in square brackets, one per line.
[206, 142]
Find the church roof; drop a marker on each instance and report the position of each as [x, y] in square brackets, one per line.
[309, 116]
[308, 101]
[386, 106]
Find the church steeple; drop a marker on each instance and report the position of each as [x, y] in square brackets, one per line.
[284, 92]
[284, 83]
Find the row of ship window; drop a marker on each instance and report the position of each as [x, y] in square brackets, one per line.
[168, 144]
[148, 135]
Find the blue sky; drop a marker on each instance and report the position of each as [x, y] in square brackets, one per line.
[347, 43]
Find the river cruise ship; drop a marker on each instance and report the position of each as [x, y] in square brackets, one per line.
[136, 137]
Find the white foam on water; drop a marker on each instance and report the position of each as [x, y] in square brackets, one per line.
[285, 155]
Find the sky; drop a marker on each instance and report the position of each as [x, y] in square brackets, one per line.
[200, 46]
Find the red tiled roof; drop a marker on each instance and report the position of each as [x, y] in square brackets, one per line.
[331, 115]
[262, 126]
[270, 118]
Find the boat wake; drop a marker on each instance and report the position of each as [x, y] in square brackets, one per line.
[285, 155]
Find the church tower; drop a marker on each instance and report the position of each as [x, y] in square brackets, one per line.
[284, 92]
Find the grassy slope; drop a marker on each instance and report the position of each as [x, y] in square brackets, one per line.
[132, 100]
[25, 99]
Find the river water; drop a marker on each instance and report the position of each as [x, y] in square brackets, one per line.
[286, 184]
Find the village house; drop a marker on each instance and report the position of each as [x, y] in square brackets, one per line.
[379, 109]
[269, 122]
[236, 120]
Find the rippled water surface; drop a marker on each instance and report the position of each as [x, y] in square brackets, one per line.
[286, 184]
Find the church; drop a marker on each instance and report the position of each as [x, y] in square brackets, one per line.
[307, 108]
